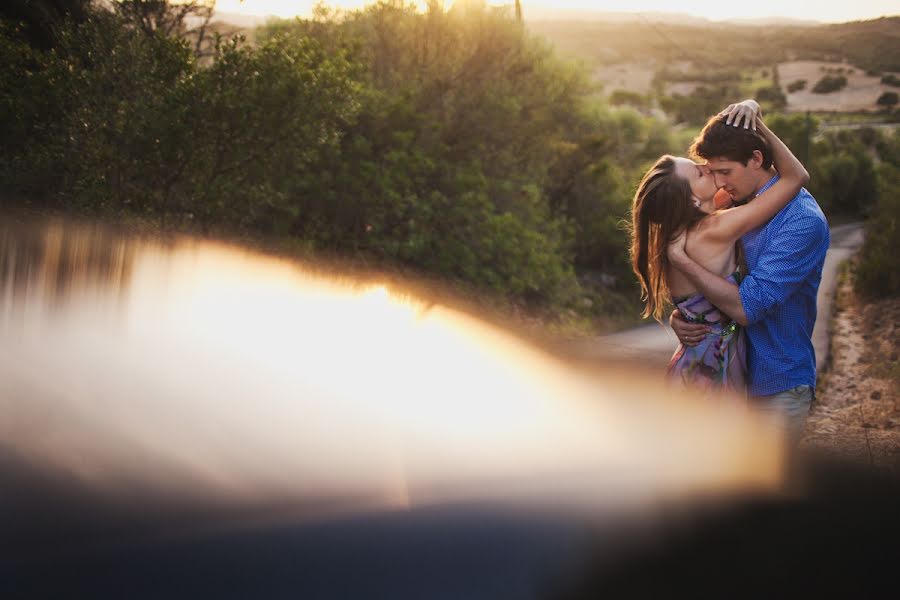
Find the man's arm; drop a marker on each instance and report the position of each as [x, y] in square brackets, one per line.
[725, 295]
[799, 248]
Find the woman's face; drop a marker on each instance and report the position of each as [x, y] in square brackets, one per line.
[703, 185]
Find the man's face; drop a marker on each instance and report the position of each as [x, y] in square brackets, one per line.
[739, 180]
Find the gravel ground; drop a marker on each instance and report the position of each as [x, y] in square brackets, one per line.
[857, 413]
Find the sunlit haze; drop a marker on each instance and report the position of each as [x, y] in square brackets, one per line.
[807, 10]
[208, 369]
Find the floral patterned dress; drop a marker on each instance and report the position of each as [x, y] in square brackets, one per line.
[719, 361]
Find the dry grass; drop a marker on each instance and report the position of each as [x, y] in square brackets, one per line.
[857, 412]
[860, 94]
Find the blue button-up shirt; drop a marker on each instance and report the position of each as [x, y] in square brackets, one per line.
[785, 259]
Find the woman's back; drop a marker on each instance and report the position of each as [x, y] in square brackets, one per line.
[710, 251]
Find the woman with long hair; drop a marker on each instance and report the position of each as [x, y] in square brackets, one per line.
[678, 197]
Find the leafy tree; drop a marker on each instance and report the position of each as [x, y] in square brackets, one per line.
[38, 19]
[461, 113]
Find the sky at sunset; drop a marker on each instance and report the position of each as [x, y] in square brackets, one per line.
[799, 9]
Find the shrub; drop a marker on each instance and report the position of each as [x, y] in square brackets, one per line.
[830, 83]
[625, 97]
[891, 79]
[888, 99]
[877, 274]
[796, 86]
[771, 97]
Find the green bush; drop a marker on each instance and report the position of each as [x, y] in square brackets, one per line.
[771, 98]
[796, 86]
[877, 274]
[830, 83]
[842, 175]
[625, 97]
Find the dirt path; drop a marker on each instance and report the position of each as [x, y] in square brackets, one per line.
[857, 413]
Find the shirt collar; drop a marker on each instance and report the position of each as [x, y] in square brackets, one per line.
[769, 184]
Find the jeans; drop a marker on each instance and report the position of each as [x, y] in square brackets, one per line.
[789, 408]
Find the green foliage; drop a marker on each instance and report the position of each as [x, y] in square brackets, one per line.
[794, 130]
[771, 98]
[115, 120]
[696, 107]
[451, 141]
[445, 167]
[270, 114]
[38, 20]
[796, 86]
[842, 173]
[627, 98]
[877, 274]
[841, 162]
[829, 83]
[84, 114]
[891, 79]
[455, 141]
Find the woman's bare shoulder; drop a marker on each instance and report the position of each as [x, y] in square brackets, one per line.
[707, 225]
[713, 227]
[706, 241]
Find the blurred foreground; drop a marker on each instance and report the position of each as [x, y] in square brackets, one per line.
[188, 419]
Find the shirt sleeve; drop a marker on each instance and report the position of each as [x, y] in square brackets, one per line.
[792, 254]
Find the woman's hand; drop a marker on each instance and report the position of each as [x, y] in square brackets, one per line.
[747, 111]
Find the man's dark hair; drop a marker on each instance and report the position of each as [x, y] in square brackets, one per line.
[718, 140]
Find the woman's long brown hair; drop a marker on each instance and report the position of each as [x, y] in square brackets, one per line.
[662, 208]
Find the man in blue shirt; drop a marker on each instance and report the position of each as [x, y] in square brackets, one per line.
[776, 301]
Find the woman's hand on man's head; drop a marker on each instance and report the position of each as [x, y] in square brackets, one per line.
[746, 112]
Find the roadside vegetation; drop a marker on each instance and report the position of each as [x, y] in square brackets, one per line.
[457, 144]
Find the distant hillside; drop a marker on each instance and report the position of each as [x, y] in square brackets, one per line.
[538, 13]
[240, 20]
[871, 45]
[773, 21]
[668, 18]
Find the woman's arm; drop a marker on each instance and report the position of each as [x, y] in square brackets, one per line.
[730, 224]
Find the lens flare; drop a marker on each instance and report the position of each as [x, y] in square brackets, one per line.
[214, 376]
